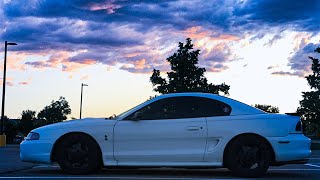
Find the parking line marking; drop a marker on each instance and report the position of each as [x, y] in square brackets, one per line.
[98, 177]
[133, 178]
[312, 165]
[301, 169]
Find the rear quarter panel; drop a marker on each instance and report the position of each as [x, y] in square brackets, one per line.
[222, 129]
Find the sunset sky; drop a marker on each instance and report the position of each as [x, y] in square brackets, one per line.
[260, 48]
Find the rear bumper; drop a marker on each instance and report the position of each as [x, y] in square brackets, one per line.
[291, 148]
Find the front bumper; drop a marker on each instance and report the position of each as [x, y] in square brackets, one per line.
[291, 148]
[37, 151]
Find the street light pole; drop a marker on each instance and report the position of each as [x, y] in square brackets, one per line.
[81, 97]
[2, 134]
[4, 83]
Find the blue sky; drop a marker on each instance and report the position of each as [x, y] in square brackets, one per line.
[260, 48]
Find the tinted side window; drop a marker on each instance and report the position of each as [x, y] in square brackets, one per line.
[183, 107]
[168, 108]
[152, 111]
[211, 107]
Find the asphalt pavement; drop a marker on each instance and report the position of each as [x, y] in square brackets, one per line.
[12, 168]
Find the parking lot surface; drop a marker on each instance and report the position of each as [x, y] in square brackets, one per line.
[12, 168]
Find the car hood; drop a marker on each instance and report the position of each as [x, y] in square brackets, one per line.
[78, 123]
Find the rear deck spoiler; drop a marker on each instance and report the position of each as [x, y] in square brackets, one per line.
[293, 114]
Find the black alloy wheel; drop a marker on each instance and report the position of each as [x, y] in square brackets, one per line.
[78, 154]
[248, 156]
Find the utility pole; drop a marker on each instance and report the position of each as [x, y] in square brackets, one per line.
[81, 97]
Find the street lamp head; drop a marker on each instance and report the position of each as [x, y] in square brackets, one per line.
[11, 43]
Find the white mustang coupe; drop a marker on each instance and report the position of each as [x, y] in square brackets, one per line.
[175, 130]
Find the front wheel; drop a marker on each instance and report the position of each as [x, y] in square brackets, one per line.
[248, 156]
[78, 154]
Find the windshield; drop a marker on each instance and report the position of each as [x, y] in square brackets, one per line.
[122, 114]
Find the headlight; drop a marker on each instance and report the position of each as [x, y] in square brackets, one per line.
[33, 136]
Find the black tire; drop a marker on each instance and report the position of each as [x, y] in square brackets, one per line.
[78, 154]
[248, 156]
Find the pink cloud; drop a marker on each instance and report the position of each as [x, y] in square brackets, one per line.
[26, 82]
[9, 84]
[109, 7]
[142, 58]
[141, 64]
[61, 60]
[84, 77]
[197, 32]
[9, 81]
[15, 61]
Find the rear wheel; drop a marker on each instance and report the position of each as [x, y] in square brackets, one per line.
[248, 156]
[78, 154]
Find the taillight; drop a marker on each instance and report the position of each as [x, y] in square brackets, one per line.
[297, 129]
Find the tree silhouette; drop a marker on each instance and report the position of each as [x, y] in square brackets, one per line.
[310, 105]
[267, 108]
[11, 128]
[57, 111]
[27, 121]
[185, 76]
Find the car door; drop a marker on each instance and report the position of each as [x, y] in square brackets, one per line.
[167, 130]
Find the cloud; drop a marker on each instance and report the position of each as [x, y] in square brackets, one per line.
[298, 15]
[109, 7]
[85, 77]
[15, 61]
[217, 68]
[274, 39]
[142, 66]
[272, 67]
[61, 59]
[9, 81]
[38, 64]
[126, 32]
[285, 73]
[23, 83]
[300, 63]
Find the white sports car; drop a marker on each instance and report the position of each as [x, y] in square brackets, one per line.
[173, 130]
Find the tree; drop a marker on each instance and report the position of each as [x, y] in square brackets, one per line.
[27, 121]
[310, 105]
[11, 128]
[267, 108]
[57, 111]
[185, 76]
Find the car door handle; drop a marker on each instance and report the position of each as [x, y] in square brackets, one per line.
[193, 128]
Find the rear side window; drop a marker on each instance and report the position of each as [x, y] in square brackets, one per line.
[211, 107]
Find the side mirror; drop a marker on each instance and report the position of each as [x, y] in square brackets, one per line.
[137, 116]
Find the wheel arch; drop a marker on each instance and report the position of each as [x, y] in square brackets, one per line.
[247, 134]
[59, 140]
